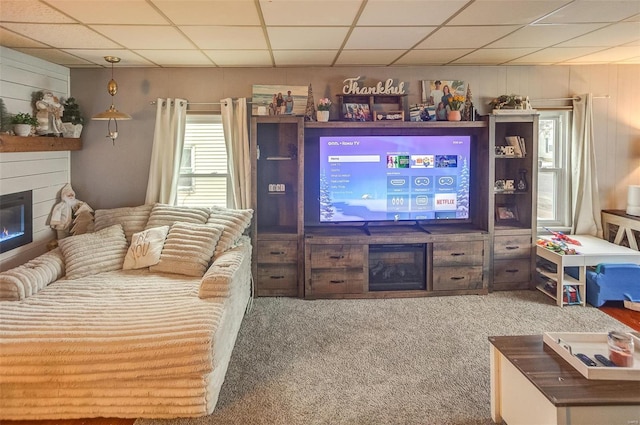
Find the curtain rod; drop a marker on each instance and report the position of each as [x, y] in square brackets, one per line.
[153, 102]
[569, 98]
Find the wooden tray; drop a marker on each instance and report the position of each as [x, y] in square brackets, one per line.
[591, 344]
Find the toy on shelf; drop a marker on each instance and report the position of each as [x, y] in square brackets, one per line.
[557, 246]
[559, 236]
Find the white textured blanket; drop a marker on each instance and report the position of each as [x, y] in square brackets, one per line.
[132, 339]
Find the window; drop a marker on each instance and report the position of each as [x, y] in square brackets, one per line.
[554, 191]
[203, 167]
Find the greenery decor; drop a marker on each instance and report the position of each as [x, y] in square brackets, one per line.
[509, 101]
[456, 102]
[24, 118]
[324, 104]
[71, 112]
[5, 117]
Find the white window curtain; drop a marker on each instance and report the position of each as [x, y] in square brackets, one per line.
[585, 197]
[168, 140]
[236, 136]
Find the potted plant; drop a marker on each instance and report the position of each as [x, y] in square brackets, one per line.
[323, 109]
[23, 124]
[72, 120]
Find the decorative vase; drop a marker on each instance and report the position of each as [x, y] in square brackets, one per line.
[522, 185]
[454, 116]
[71, 130]
[322, 116]
[22, 129]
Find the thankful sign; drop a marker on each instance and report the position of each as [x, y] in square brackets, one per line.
[352, 86]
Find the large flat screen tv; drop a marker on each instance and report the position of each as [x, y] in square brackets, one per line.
[394, 178]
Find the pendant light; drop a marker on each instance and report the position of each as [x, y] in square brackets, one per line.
[112, 114]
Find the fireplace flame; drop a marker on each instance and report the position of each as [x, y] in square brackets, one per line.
[5, 232]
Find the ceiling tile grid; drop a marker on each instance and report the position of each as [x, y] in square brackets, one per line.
[289, 33]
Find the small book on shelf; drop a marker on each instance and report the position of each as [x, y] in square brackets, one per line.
[515, 142]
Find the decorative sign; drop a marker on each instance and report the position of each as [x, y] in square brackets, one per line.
[352, 87]
[389, 116]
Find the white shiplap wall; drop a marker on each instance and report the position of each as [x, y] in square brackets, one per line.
[43, 172]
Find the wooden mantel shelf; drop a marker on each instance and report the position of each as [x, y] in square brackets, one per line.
[38, 144]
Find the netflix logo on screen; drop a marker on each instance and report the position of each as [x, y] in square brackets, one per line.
[445, 201]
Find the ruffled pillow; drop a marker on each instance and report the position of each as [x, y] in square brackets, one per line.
[93, 253]
[234, 223]
[132, 219]
[188, 249]
[145, 249]
[166, 215]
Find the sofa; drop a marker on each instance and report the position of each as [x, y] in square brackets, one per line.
[613, 282]
[137, 319]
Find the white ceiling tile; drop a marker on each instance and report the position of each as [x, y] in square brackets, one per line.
[96, 56]
[543, 35]
[313, 38]
[594, 11]
[167, 57]
[465, 37]
[305, 13]
[30, 11]
[553, 55]
[431, 56]
[386, 37]
[408, 12]
[226, 38]
[11, 39]
[63, 35]
[110, 12]
[500, 12]
[240, 57]
[625, 32]
[368, 57]
[492, 56]
[55, 56]
[304, 57]
[218, 12]
[608, 55]
[145, 36]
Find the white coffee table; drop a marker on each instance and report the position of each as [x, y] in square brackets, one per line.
[592, 252]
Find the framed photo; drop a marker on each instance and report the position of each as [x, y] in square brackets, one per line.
[356, 112]
[435, 92]
[506, 213]
[279, 100]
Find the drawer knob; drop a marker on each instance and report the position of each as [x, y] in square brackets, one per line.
[336, 281]
[277, 253]
[336, 257]
[512, 247]
[457, 278]
[276, 277]
[457, 254]
[512, 270]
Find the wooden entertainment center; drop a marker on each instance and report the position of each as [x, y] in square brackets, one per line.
[294, 255]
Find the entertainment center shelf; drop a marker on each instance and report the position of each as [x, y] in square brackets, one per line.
[298, 254]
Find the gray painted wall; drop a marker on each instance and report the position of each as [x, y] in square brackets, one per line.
[109, 176]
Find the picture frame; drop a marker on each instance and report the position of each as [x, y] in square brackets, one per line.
[507, 213]
[356, 112]
[279, 99]
[433, 91]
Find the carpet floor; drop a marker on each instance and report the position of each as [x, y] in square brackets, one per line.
[386, 361]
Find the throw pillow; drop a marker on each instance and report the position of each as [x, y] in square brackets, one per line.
[188, 249]
[166, 215]
[132, 219]
[145, 248]
[234, 222]
[93, 253]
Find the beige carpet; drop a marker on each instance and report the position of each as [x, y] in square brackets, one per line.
[395, 361]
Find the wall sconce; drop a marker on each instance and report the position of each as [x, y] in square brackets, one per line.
[112, 114]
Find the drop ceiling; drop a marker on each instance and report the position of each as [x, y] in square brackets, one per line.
[287, 33]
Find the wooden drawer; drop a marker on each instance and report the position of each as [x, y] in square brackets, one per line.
[277, 279]
[512, 247]
[276, 252]
[337, 281]
[332, 256]
[458, 253]
[506, 271]
[456, 278]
